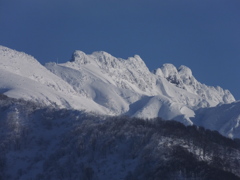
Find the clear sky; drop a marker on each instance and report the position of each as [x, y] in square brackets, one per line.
[201, 34]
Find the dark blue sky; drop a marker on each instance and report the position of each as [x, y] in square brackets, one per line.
[201, 34]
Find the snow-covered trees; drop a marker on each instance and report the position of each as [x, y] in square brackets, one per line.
[46, 143]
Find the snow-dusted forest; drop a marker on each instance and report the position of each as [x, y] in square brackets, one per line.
[42, 142]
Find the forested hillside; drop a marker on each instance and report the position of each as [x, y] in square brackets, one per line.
[42, 142]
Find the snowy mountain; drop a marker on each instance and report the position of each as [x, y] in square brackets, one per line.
[128, 87]
[108, 85]
[223, 118]
[22, 76]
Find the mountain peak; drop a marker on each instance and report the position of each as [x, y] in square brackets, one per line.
[134, 72]
[184, 79]
[79, 57]
[103, 83]
[179, 77]
[169, 70]
[106, 61]
[137, 61]
[137, 57]
[13, 54]
[101, 54]
[184, 71]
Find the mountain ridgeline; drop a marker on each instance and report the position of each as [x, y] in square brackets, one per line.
[43, 142]
[107, 85]
[99, 117]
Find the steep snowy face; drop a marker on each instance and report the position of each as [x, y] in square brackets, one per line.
[183, 78]
[130, 74]
[22, 76]
[111, 82]
[27, 66]
[186, 76]
[105, 84]
[12, 54]
[170, 72]
[128, 87]
[224, 118]
[79, 57]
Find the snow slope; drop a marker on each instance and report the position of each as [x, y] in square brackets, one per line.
[128, 87]
[224, 118]
[22, 76]
[108, 85]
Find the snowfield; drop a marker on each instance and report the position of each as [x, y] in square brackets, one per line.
[107, 85]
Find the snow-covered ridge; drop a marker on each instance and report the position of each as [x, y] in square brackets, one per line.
[28, 67]
[224, 118]
[130, 74]
[11, 54]
[105, 84]
[184, 79]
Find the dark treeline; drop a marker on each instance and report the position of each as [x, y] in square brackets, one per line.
[39, 142]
